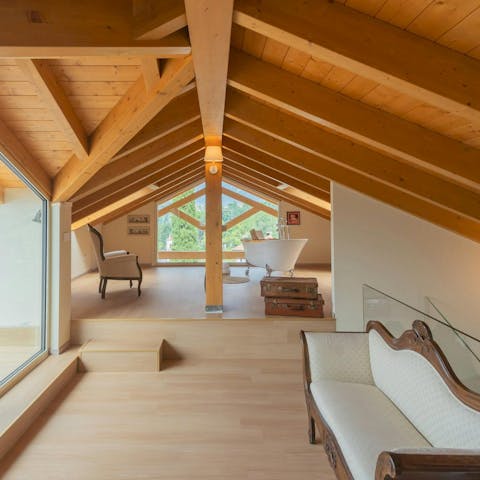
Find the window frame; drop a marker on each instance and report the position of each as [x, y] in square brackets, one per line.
[7, 382]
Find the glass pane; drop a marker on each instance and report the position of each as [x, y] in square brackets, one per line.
[461, 349]
[22, 276]
[232, 238]
[181, 226]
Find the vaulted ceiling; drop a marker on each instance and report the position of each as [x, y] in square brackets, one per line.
[109, 105]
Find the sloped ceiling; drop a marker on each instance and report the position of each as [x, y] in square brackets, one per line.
[111, 106]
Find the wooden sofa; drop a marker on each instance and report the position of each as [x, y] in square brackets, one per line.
[388, 408]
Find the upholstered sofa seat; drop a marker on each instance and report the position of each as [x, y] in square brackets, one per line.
[365, 423]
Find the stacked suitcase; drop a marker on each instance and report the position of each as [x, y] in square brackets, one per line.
[292, 296]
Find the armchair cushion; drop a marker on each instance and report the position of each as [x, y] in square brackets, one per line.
[365, 423]
[121, 266]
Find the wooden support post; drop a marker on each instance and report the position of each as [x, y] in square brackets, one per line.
[213, 263]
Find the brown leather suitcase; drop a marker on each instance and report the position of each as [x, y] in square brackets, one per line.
[289, 287]
[294, 307]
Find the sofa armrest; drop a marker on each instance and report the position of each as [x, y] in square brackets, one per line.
[341, 356]
[428, 464]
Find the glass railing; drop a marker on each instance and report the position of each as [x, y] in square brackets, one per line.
[461, 349]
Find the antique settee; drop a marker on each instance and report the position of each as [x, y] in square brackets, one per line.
[390, 408]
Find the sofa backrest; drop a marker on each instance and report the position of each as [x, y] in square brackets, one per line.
[339, 356]
[421, 394]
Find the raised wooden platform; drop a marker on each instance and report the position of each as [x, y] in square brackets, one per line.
[214, 339]
[226, 387]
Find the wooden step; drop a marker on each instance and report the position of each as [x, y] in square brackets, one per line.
[101, 356]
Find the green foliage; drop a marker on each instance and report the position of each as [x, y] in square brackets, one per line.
[232, 209]
[260, 221]
[176, 234]
[163, 231]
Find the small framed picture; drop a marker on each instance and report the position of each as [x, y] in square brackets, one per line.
[293, 218]
[138, 230]
[138, 219]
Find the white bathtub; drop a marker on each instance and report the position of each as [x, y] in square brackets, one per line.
[274, 255]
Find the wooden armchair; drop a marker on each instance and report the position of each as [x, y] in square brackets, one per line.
[115, 265]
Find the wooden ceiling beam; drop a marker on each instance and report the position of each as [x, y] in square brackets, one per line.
[187, 218]
[264, 196]
[178, 113]
[16, 153]
[248, 201]
[275, 167]
[353, 119]
[260, 180]
[163, 182]
[154, 20]
[243, 216]
[150, 71]
[371, 48]
[351, 179]
[57, 103]
[209, 25]
[55, 28]
[107, 209]
[127, 118]
[159, 196]
[143, 177]
[336, 149]
[239, 175]
[271, 185]
[292, 181]
[184, 174]
[235, 178]
[186, 137]
[180, 202]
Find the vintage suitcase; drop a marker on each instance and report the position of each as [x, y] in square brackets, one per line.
[291, 287]
[294, 307]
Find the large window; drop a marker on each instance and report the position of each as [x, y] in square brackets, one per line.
[181, 224]
[23, 240]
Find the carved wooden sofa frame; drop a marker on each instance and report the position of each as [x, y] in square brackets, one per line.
[408, 464]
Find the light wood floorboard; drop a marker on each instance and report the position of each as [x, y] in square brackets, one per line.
[198, 419]
[177, 292]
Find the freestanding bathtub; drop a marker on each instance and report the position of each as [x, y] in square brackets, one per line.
[274, 255]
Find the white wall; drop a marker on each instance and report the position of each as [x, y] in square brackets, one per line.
[402, 255]
[313, 227]
[21, 253]
[115, 236]
[83, 257]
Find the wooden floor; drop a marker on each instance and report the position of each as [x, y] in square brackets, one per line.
[177, 292]
[198, 419]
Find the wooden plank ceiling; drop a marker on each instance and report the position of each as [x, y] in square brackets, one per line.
[110, 105]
